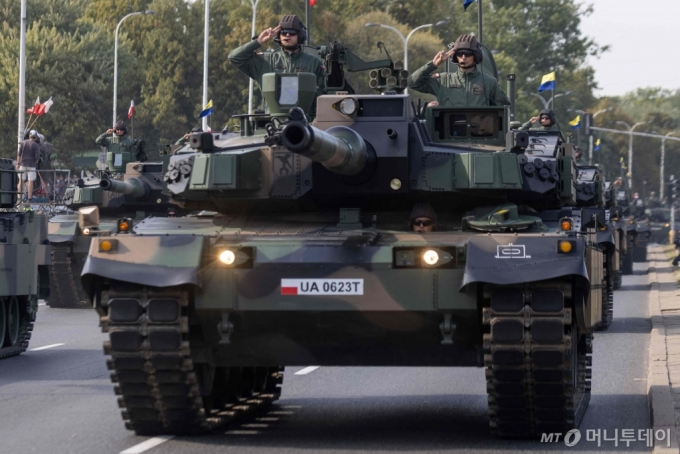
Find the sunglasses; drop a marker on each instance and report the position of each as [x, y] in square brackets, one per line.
[121, 130]
[545, 118]
[422, 222]
[464, 53]
[289, 32]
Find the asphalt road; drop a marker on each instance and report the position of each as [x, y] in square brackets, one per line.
[60, 399]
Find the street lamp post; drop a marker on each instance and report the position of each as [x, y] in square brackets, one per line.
[630, 148]
[590, 139]
[406, 39]
[546, 104]
[115, 61]
[663, 160]
[253, 3]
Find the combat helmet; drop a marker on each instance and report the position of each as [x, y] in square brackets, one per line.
[291, 21]
[549, 113]
[467, 42]
[121, 125]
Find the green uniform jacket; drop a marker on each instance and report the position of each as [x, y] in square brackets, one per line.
[537, 127]
[459, 89]
[580, 162]
[114, 143]
[255, 65]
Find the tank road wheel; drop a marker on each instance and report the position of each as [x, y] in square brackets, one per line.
[161, 389]
[607, 298]
[13, 322]
[536, 375]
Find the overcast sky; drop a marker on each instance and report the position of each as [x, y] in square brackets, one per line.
[644, 36]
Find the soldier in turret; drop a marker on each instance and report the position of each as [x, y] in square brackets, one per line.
[291, 34]
[115, 139]
[545, 121]
[467, 87]
[579, 159]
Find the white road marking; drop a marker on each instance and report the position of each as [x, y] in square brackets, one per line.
[148, 444]
[45, 347]
[307, 370]
[42, 304]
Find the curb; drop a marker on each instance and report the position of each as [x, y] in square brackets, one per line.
[661, 396]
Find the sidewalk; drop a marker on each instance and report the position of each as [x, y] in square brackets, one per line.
[663, 381]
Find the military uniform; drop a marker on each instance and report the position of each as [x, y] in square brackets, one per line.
[537, 127]
[459, 89]
[581, 162]
[114, 143]
[255, 65]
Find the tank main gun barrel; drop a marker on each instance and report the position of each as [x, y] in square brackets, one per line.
[339, 149]
[132, 187]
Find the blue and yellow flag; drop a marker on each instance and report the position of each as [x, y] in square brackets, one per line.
[597, 145]
[548, 82]
[467, 3]
[207, 110]
[576, 122]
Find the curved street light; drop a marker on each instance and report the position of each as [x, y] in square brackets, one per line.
[663, 159]
[406, 39]
[546, 104]
[590, 139]
[115, 60]
[630, 148]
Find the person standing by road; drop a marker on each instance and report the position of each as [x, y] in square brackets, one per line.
[27, 158]
[291, 34]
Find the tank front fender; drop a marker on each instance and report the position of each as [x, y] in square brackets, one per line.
[157, 261]
[518, 259]
[606, 236]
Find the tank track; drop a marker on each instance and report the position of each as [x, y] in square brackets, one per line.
[25, 331]
[627, 263]
[66, 291]
[618, 280]
[161, 390]
[538, 365]
[607, 296]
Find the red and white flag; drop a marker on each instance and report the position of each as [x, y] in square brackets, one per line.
[44, 107]
[131, 110]
[35, 107]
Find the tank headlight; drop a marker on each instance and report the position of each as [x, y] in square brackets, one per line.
[666, 224]
[124, 225]
[430, 257]
[349, 106]
[565, 247]
[395, 184]
[86, 231]
[108, 245]
[227, 257]
[631, 222]
[566, 224]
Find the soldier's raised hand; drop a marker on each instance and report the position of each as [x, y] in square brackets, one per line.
[533, 119]
[441, 56]
[268, 34]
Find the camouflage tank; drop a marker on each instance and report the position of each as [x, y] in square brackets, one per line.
[624, 203]
[619, 224]
[25, 257]
[304, 254]
[643, 230]
[131, 189]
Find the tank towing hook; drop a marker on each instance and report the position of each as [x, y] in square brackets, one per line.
[448, 329]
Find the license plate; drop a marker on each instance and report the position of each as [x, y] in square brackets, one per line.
[322, 286]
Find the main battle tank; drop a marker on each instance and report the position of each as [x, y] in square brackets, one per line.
[304, 254]
[25, 257]
[643, 230]
[129, 190]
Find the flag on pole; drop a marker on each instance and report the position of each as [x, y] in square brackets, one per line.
[207, 110]
[35, 107]
[548, 82]
[597, 145]
[131, 110]
[467, 3]
[44, 107]
[576, 122]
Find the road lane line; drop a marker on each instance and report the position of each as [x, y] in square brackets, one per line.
[307, 370]
[45, 347]
[148, 444]
[42, 304]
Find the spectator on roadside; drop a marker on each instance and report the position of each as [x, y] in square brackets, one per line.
[27, 158]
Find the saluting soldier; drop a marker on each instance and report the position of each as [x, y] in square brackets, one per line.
[291, 34]
[546, 121]
[467, 87]
[115, 139]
